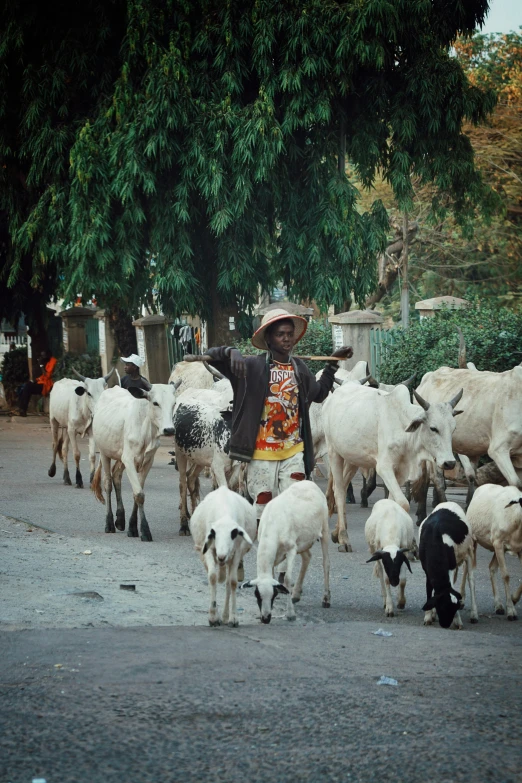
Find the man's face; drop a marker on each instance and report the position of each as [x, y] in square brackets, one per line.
[130, 368]
[281, 338]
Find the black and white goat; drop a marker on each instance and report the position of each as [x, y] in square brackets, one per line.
[389, 534]
[445, 542]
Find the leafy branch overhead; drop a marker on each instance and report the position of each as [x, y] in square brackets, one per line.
[189, 149]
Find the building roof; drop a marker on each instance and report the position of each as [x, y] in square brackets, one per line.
[438, 302]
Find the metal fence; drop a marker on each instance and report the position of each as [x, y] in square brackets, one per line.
[175, 348]
[92, 335]
[380, 342]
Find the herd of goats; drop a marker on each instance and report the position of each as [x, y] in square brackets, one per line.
[362, 425]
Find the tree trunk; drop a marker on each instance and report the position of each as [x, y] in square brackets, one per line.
[124, 331]
[39, 341]
[405, 291]
[218, 328]
[390, 264]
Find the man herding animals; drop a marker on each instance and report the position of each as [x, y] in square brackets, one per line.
[272, 395]
[132, 375]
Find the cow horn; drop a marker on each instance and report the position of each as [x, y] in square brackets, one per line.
[81, 377]
[462, 350]
[338, 382]
[106, 377]
[213, 371]
[362, 381]
[422, 402]
[176, 384]
[454, 400]
[408, 380]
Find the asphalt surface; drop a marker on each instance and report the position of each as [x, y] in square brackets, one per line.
[133, 686]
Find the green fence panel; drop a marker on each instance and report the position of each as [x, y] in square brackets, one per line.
[175, 349]
[380, 342]
[92, 336]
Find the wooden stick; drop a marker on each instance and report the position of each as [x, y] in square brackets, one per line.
[206, 358]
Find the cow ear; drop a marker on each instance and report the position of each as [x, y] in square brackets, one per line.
[80, 390]
[139, 394]
[415, 424]
[430, 604]
[210, 537]
[376, 556]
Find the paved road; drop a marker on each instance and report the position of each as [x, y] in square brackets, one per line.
[125, 688]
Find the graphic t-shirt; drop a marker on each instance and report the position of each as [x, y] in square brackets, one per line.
[278, 437]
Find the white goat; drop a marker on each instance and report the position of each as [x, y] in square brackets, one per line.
[495, 518]
[389, 534]
[289, 526]
[223, 527]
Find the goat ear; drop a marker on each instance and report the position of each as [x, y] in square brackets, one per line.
[282, 589]
[234, 533]
[210, 537]
[405, 560]
[80, 390]
[415, 424]
[514, 503]
[376, 556]
[250, 583]
[430, 604]
[240, 532]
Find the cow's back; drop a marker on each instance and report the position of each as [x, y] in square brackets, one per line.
[115, 408]
[63, 400]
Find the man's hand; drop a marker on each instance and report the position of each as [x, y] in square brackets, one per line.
[237, 363]
[346, 352]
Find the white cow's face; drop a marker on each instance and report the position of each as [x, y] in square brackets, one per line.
[95, 386]
[435, 427]
[161, 398]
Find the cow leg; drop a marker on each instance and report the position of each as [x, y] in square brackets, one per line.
[65, 454]
[510, 607]
[493, 568]
[429, 614]
[133, 522]
[55, 431]
[369, 484]
[501, 455]
[419, 493]
[145, 533]
[92, 458]
[342, 475]
[109, 519]
[193, 485]
[73, 438]
[439, 487]
[350, 497]
[469, 471]
[117, 473]
[390, 480]
[181, 459]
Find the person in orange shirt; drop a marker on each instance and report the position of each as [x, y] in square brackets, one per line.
[42, 385]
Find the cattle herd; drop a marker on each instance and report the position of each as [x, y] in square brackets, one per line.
[362, 425]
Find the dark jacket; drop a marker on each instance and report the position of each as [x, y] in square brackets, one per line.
[140, 382]
[250, 394]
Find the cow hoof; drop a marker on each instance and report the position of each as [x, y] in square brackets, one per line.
[146, 537]
[512, 617]
[291, 618]
[67, 481]
[500, 610]
[473, 620]
[233, 624]
[390, 614]
[401, 606]
[79, 486]
[184, 530]
[132, 533]
[364, 504]
[214, 623]
[52, 471]
[344, 548]
[296, 599]
[120, 522]
[109, 529]
[326, 604]
[335, 537]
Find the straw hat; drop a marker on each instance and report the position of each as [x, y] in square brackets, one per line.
[300, 324]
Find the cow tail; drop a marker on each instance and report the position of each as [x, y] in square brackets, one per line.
[96, 484]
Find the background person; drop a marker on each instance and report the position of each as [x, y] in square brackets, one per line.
[132, 375]
[42, 385]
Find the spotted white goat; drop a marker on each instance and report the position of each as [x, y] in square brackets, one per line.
[223, 527]
[389, 534]
[289, 526]
[495, 519]
[445, 542]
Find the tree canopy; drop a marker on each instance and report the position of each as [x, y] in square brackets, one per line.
[197, 149]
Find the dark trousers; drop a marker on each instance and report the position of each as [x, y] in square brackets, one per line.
[25, 394]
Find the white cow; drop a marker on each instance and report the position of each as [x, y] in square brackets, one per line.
[71, 407]
[491, 422]
[369, 428]
[193, 375]
[127, 426]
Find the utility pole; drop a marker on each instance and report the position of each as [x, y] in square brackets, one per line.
[405, 293]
